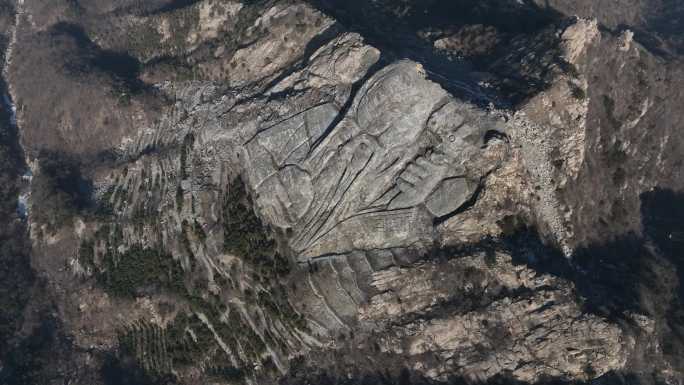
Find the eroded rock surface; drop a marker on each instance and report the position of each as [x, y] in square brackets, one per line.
[477, 315]
[376, 175]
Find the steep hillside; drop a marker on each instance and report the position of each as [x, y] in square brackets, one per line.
[357, 192]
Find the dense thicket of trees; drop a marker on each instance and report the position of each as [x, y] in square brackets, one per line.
[247, 237]
[140, 269]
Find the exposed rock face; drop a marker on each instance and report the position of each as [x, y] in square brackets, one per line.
[309, 193]
[275, 43]
[476, 318]
[469, 41]
[376, 175]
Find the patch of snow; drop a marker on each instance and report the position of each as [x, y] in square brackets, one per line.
[22, 206]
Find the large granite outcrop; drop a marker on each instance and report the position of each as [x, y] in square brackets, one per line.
[374, 175]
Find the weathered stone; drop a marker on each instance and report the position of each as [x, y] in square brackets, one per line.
[372, 171]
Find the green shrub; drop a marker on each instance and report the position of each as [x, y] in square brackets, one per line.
[247, 237]
[86, 255]
[129, 273]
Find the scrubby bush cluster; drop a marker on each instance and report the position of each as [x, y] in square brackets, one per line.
[140, 270]
[246, 236]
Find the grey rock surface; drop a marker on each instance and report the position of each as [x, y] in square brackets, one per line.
[372, 176]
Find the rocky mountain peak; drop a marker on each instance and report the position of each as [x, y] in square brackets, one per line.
[298, 192]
